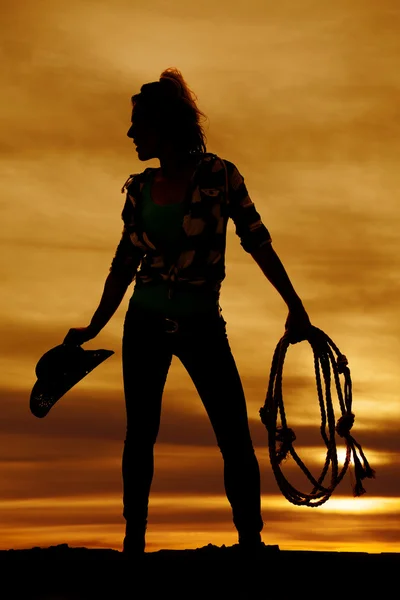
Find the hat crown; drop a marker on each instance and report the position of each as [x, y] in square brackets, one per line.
[59, 361]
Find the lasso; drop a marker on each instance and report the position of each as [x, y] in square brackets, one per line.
[281, 437]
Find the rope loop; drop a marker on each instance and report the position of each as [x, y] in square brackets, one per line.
[281, 437]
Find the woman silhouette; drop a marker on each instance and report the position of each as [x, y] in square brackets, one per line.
[173, 245]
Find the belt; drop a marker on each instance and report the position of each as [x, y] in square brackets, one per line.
[170, 325]
[184, 323]
[173, 325]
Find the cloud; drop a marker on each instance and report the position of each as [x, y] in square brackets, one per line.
[304, 100]
[79, 446]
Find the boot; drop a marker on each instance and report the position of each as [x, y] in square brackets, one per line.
[134, 541]
[251, 545]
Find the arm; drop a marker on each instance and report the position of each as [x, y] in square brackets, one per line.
[256, 240]
[122, 272]
[113, 293]
[297, 323]
[272, 267]
[114, 290]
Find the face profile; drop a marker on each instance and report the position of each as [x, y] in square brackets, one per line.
[144, 135]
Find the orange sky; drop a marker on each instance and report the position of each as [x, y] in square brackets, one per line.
[303, 97]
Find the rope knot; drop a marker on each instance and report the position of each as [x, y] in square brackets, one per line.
[342, 363]
[344, 424]
[285, 437]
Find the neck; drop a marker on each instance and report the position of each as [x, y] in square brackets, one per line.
[174, 165]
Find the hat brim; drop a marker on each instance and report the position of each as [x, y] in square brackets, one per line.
[46, 392]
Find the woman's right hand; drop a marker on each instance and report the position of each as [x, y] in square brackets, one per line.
[79, 335]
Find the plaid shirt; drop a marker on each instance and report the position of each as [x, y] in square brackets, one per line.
[217, 192]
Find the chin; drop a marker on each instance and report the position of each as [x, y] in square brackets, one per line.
[142, 155]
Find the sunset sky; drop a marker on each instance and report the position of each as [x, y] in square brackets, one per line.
[304, 97]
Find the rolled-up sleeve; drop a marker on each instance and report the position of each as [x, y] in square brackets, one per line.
[251, 230]
[127, 257]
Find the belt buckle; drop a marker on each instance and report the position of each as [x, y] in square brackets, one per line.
[174, 324]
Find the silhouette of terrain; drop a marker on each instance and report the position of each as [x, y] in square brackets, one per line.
[64, 573]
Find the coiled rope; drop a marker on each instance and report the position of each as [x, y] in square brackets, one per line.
[281, 437]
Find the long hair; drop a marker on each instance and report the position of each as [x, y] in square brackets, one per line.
[171, 107]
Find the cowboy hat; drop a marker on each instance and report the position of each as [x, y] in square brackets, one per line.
[58, 370]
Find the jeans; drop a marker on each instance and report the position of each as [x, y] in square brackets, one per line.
[201, 344]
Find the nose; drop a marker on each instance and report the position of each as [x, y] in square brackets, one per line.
[130, 132]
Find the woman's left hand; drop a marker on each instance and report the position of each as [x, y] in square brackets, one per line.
[297, 324]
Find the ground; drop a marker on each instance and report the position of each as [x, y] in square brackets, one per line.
[64, 573]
